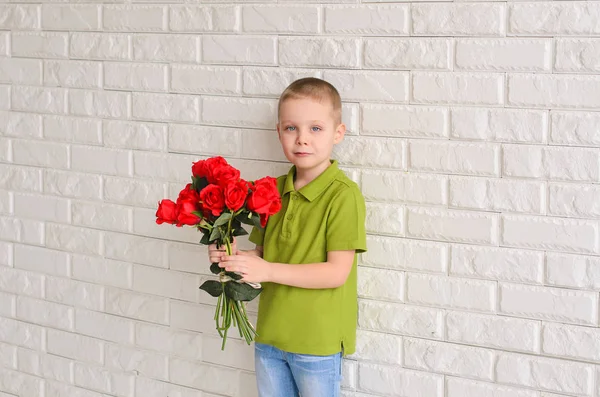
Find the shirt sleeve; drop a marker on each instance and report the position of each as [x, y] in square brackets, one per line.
[257, 236]
[346, 222]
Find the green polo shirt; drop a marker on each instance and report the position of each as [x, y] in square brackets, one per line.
[328, 214]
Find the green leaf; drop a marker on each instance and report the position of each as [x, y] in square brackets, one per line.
[241, 292]
[215, 269]
[199, 183]
[223, 219]
[245, 217]
[213, 287]
[256, 221]
[215, 234]
[233, 275]
[205, 238]
[239, 231]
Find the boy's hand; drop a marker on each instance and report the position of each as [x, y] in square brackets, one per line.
[253, 269]
[215, 255]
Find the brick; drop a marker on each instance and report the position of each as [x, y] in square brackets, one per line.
[21, 230]
[577, 55]
[205, 79]
[169, 167]
[77, 74]
[505, 125]
[100, 160]
[6, 202]
[7, 305]
[385, 218]
[45, 208]
[319, 52]
[191, 258]
[497, 263]
[8, 357]
[102, 379]
[558, 341]
[573, 271]
[146, 387]
[379, 347]
[104, 326]
[21, 125]
[246, 50]
[578, 129]
[371, 152]
[44, 365]
[138, 306]
[392, 186]
[44, 313]
[135, 249]
[259, 145]
[195, 317]
[203, 376]
[39, 99]
[73, 129]
[458, 88]
[74, 293]
[167, 283]
[553, 163]
[133, 192]
[104, 104]
[245, 112]
[6, 254]
[368, 19]
[449, 359]
[23, 384]
[5, 149]
[40, 44]
[135, 77]
[549, 233]
[190, 18]
[370, 86]
[548, 19]
[38, 153]
[396, 381]
[565, 91]
[20, 71]
[55, 389]
[292, 19]
[100, 215]
[102, 271]
[496, 195]
[71, 17]
[105, 46]
[451, 292]
[401, 319]
[4, 43]
[20, 16]
[407, 53]
[478, 19]
[145, 363]
[376, 283]
[209, 140]
[271, 81]
[236, 355]
[456, 387]
[173, 48]
[393, 120]
[161, 107]
[493, 331]
[73, 239]
[169, 341]
[21, 334]
[552, 304]
[134, 18]
[581, 201]
[41, 260]
[545, 374]
[134, 135]
[504, 55]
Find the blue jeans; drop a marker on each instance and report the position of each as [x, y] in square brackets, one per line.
[283, 374]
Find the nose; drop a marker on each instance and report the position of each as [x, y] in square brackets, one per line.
[302, 137]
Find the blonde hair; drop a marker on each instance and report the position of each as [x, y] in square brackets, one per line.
[316, 89]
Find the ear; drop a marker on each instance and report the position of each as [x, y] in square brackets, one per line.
[340, 131]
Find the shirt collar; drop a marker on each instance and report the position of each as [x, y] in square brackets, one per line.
[314, 188]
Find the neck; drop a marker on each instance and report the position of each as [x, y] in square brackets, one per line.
[306, 176]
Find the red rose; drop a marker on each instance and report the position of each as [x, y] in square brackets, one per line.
[264, 199]
[204, 168]
[184, 212]
[235, 194]
[224, 174]
[166, 212]
[199, 169]
[188, 193]
[213, 199]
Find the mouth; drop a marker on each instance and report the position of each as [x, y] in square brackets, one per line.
[301, 153]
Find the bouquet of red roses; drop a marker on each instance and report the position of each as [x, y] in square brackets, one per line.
[217, 203]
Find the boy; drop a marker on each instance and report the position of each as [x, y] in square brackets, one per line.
[306, 255]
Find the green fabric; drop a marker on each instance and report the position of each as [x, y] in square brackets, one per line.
[328, 214]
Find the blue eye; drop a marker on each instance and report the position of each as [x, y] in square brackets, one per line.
[290, 128]
[316, 129]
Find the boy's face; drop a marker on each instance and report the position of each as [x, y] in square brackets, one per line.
[308, 130]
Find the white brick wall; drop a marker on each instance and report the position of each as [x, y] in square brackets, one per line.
[473, 131]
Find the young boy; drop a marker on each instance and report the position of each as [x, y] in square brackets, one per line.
[306, 255]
